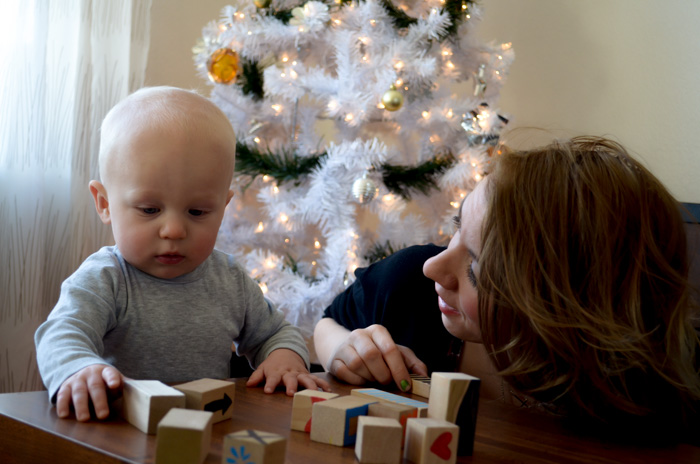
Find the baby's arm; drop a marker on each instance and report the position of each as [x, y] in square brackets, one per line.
[365, 355]
[287, 367]
[96, 384]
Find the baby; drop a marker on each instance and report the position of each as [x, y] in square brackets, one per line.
[163, 303]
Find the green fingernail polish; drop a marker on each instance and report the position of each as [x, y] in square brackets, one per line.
[404, 385]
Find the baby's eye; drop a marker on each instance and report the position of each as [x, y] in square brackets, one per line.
[196, 212]
[150, 210]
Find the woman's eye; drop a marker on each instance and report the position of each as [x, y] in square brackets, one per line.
[471, 275]
[196, 212]
[149, 210]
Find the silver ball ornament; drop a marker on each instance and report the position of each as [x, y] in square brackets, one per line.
[364, 189]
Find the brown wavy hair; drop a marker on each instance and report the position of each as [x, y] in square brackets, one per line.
[584, 292]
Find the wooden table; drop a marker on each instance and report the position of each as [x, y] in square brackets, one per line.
[30, 432]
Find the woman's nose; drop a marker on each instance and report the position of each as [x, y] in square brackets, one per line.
[438, 269]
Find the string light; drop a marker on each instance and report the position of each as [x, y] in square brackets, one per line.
[260, 228]
[425, 114]
[263, 287]
[317, 244]
[284, 218]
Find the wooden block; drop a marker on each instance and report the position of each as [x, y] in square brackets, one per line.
[378, 440]
[254, 446]
[431, 441]
[145, 402]
[334, 421]
[381, 395]
[420, 385]
[454, 397]
[301, 407]
[215, 396]
[399, 412]
[184, 437]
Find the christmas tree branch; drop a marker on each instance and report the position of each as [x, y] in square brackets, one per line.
[251, 79]
[401, 180]
[285, 168]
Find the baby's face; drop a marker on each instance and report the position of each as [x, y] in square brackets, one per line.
[167, 193]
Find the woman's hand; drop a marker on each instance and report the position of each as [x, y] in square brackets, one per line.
[365, 355]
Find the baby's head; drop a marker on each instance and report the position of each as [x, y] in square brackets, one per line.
[166, 161]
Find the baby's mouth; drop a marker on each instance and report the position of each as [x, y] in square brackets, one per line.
[170, 259]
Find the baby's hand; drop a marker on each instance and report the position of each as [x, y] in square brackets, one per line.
[286, 366]
[88, 384]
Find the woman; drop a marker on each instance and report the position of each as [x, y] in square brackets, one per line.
[566, 280]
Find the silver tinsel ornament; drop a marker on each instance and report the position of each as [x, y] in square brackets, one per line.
[364, 189]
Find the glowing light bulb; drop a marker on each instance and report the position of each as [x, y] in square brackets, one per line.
[277, 107]
[284, 217]
[256, 140]
[260, 228]
[263, 287]
[349, 117]
[454, 204]
[317, 244]
[426, 114]
[477, 177]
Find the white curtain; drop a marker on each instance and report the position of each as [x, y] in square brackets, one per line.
[63, 64]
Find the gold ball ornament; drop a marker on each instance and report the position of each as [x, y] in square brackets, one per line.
[392, 99]
[223, 66]
[262, 3]
[364, 189]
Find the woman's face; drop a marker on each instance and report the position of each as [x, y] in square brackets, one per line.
[456, 270]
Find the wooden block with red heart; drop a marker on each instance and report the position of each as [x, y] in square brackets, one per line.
[454, 397]
[301, 407]
[431, 441]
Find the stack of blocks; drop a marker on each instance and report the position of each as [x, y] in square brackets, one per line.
[381, 423]
[182, 415]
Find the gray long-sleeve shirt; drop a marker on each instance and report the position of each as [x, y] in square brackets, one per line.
[149, 328]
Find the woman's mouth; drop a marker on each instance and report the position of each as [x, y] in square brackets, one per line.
[446, 309]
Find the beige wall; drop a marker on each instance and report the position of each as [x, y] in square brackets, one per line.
[629, 69]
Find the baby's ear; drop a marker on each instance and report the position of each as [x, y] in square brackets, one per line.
[99, 194]
[229, 196]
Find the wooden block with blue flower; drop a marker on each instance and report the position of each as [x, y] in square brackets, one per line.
[253, 446]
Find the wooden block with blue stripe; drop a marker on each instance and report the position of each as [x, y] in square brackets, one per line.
[334, 421]
[381, 395]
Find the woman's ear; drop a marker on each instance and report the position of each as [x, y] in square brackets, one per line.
[99, 194]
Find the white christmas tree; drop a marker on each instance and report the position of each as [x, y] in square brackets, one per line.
[354, 137]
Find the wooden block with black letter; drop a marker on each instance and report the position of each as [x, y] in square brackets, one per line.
[215, 396]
